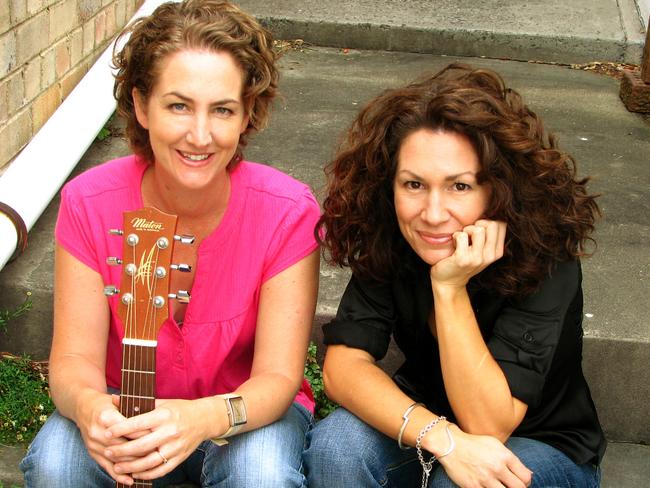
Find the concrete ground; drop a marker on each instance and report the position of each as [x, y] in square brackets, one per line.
[323, 88]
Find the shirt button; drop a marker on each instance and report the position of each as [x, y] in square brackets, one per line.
[528, 337]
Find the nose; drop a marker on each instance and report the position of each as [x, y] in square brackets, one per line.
[435, 210]
[199, 134]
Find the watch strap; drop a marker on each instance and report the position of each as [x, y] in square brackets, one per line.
[236, 417]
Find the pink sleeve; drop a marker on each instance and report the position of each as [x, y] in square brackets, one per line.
[294, 238]
[74, 230]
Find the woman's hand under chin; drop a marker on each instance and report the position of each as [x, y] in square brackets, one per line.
[477, 246]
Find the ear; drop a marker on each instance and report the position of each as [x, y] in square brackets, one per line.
[140, 108]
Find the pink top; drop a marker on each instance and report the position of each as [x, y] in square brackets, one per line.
[267, 227]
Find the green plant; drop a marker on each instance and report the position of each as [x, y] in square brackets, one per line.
[24, 398]
[313, 373]
[7, 316]
[105, 132]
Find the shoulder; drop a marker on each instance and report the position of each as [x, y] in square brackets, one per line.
[110, 176]
[271, 183]
[559, 288]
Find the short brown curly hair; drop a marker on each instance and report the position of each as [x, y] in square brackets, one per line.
[534, 189]
[194, 24]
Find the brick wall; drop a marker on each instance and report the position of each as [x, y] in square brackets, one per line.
[46, 47]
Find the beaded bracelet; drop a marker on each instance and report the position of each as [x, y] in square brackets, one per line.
[427, 466]
[405, 417]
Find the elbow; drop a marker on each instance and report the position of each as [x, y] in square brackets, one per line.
[492, 429]
[329, 384]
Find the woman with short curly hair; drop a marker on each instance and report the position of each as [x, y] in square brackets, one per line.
[463, 224]
[231, 407]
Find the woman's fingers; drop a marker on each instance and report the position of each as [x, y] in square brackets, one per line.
[153, 465]
[518, 469]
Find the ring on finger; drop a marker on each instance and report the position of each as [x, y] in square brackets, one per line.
[164, 459]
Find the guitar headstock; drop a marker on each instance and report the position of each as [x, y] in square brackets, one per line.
[146, 265]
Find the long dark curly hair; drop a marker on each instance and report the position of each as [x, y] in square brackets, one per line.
[194, 24]
[534, 187]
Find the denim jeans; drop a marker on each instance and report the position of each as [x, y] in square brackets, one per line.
[343, 452]
[268, 457]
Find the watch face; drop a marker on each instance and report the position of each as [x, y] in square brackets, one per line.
[238, 411]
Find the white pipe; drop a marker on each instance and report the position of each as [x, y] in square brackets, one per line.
[37, 173]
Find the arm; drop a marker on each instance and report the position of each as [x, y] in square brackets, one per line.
[78, 355]
[286, 311]
[475, 384]
[371, 395]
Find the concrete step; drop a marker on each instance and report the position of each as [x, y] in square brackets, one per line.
[624, 466]
[579, 31]
[324, 88]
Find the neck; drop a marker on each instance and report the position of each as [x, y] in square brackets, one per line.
[188, 204]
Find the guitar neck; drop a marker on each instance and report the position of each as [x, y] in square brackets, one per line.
[138, 391]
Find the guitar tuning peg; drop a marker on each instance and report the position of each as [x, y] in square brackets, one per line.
[184, 239]
[184, 268]
[116, 232]
[111, 290]
[113, 261]
[182, 296]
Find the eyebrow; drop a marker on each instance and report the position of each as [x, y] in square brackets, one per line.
[447, 178]
[187, 99]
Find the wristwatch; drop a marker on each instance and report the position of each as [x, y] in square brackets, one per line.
[236, 416]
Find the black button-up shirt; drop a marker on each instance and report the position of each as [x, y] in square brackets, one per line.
[536, 340]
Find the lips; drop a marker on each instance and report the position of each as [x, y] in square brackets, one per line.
[195, 157]
[197, 160]
[436, 239]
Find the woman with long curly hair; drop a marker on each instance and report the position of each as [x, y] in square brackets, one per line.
[463, 224]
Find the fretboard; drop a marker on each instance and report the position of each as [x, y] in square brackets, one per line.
[138, 391]
[138, 379]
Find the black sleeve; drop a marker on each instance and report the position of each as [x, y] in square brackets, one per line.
[365, 318]
[527, 332]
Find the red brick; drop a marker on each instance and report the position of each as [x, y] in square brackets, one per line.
[48, 69]
[17, 11]
[62, 56]
[31, 37]
[70, 81]
[63, 17]
[4, 107]
[45, 105]
[7, 53]
[110, 21]
[88, 8]
[32, 78]
[88, 37]
[15, 135]
[100, 28]
[15, 93]
[634, 92]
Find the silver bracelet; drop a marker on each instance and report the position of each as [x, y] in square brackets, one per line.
[452, 443]
[405, 417]
[427, 466]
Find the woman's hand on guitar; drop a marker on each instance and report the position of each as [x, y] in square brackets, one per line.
[476, 247]
[175, 429]
[479, 460]
[97, 413]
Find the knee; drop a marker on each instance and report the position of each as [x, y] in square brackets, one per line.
[58, 457]
[339, 446]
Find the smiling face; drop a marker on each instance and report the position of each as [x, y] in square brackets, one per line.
[436, 191]
[195, 115]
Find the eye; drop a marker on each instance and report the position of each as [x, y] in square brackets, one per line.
[412, 185]
[459, 186]
[223, 111]
[177, 107]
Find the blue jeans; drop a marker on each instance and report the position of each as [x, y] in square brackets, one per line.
[268, 457]
[346, 452]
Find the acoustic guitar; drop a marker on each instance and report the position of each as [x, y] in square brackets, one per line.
[149, 236]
